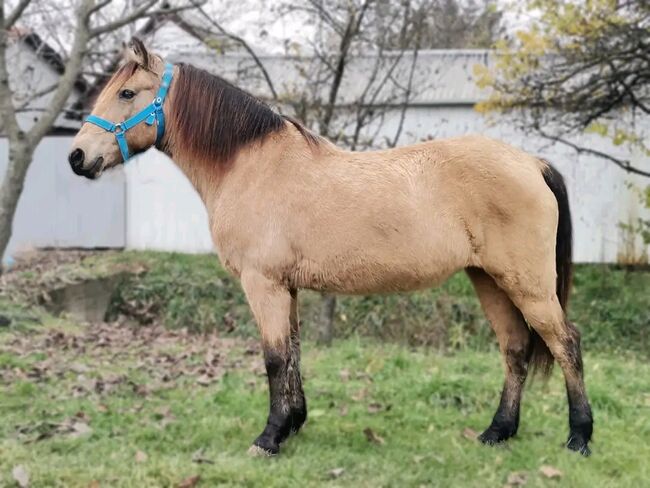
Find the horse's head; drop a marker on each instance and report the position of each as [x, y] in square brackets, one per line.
[129, 91]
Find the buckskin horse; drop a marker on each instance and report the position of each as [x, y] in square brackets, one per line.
[289, 210]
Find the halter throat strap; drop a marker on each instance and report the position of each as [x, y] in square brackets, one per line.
[151, 114]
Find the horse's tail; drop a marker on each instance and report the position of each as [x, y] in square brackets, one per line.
[541, 358]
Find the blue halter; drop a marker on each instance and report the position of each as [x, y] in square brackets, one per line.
[152, 113]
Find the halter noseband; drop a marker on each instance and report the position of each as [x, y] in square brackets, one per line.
[150, 114]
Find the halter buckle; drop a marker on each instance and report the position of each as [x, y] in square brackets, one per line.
[118, 129]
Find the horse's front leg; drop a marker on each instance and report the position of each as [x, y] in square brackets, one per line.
[276, 311]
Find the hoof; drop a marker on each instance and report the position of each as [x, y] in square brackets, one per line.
[496, 435]
[578, 444]
[266, 444]
[257, 451]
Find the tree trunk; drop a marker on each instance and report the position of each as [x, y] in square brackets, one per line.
[20, 155]
[326, 325]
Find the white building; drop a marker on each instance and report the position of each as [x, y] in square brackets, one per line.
[150, 205]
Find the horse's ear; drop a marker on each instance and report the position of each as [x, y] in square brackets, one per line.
[136, 51]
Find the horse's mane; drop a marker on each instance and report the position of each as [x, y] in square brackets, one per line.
[213, 119]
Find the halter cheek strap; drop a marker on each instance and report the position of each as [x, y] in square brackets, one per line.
[152, 113]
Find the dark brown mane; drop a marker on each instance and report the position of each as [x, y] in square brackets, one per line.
[211, 118]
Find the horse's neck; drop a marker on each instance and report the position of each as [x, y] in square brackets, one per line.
[209, 176]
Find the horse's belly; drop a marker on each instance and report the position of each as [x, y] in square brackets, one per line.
[361, 274]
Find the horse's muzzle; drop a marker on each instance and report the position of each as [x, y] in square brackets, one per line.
[76, 159]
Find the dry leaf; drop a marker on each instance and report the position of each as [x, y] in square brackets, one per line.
[550, 472]
[517, 478]
[335, 473]
[360, 395]
[204, 380]
[373, 437]
[375, 407]
[141, 457]
[199, 457]
[470, 434]
[93, 484]
[190, 482]
[79, 429]
[21, 476]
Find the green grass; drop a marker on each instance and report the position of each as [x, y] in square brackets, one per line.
[610, 304]
[432, 383]
[425, 400]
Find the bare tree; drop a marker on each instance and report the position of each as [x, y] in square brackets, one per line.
[82, 38]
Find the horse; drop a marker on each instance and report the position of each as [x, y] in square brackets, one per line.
[289, 210]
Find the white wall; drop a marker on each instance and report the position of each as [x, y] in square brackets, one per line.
[59, 208]
[164, 211]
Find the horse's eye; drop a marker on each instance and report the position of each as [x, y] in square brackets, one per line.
[127, 94]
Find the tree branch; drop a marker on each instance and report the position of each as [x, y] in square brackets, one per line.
[6, 96]
[621, 163]
[15, 15]
[141, 12]
[242, 42]
[69, 77]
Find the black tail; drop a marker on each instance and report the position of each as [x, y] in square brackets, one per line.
[541, 357]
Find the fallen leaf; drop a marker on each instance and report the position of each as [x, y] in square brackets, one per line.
[79, 429]
[141, 457]
[335, 473]
[470, 434]
[21, 475]
[373, 437]
[550, 472]
[360, 395]
[204, 380]
[517, 478]
[190, 482]
[375, 407]
[199, 457]
[93, 484]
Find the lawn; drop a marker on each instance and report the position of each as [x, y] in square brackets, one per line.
[172, 391]
[117, 406]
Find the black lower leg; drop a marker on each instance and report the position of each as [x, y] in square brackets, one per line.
[580, 416]
[287, 407]
[506, 419]
[278, 424]
[297, 402]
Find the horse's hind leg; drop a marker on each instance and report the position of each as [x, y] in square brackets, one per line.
[276, 311]
[545, 315]
[514, 339]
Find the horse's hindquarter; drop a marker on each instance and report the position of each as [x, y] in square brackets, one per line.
[358, 222]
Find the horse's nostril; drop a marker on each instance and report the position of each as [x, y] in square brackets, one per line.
[76, 158]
